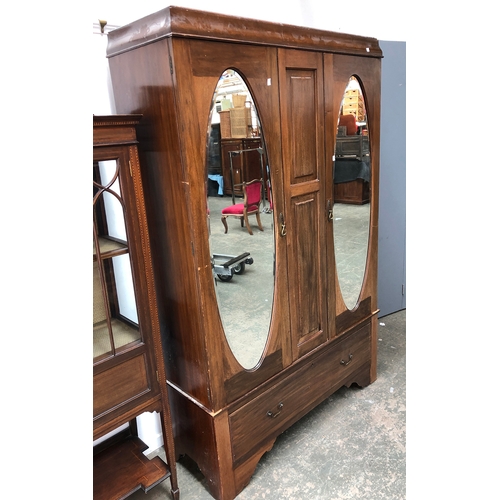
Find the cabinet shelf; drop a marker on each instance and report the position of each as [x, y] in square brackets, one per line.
[123, 334]
[122, 469]
[110, 248]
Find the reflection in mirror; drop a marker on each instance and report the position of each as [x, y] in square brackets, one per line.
[352, 193]
[240, 228]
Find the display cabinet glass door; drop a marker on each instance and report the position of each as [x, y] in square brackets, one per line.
[115, 313]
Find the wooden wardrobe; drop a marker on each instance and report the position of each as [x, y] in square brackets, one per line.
[166, 67]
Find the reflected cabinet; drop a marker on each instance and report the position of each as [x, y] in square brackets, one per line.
[127, 356]
[241, 162]
[258, 328]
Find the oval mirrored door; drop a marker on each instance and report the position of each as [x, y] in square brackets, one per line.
[352, 182]
[239, 200]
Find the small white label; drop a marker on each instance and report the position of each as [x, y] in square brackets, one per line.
[268, 82]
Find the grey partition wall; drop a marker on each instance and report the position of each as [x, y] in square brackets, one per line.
[392, 216]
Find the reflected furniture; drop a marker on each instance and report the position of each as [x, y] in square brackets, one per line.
[213, 155]
[352, 181]
[251, 205]
[225, 416]
[128, 362]
[352, 162]
[352, 170]
[349, 122]
[352, 146]
[241, 162]
[353, 104]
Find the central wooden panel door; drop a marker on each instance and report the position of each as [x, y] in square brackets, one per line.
[302, 118]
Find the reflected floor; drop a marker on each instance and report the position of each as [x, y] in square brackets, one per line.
[246, 300]
[351, 227]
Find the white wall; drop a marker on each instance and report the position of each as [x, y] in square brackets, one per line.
[367, 18]
[363, 17]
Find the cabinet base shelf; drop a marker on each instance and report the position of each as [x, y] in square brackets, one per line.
[122, 468]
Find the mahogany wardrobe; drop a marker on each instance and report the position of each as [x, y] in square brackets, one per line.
[289, 315]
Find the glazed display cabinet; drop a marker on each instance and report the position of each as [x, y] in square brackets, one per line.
[247, 358]
[127, 351]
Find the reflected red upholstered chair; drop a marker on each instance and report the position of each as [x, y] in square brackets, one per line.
[252, 199]
[349, 121]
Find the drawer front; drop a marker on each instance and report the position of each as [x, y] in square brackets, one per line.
[352, 145]
[251, 143]
[269, 414]
[120, 384]
[348, 145]
[352, 100]
[350, 108]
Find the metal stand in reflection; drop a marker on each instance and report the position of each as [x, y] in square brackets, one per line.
[225, 266]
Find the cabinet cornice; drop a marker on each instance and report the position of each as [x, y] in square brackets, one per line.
[190, 23]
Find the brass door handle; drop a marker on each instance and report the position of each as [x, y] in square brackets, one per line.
[270, 414]
[283, 225]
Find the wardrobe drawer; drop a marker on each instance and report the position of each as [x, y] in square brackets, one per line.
[266, 416]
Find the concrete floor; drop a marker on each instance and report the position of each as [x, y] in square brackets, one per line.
[351, 446]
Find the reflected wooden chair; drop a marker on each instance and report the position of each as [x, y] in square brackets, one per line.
[252, 200]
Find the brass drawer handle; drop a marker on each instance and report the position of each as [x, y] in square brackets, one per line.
[270, 414]
[345, 363]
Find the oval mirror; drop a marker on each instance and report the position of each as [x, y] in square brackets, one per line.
[240, 219]
[351, 211]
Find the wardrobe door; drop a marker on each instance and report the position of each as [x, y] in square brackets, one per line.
[203, 64]
[303, 223]
[362, 74]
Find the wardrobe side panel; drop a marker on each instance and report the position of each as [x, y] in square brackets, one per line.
[142, 83]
